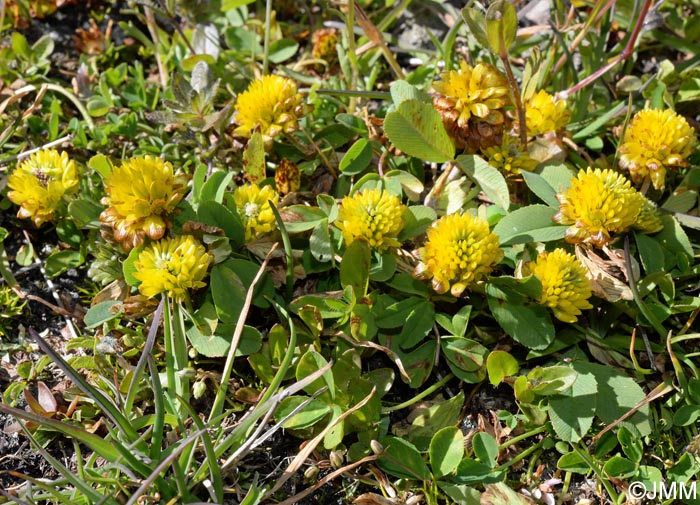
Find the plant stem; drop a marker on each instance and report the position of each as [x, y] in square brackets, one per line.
[626, 53]
[523, 436]
[518, 99]
[520, 456]
[266, 40]
[420, 395]
[352, 54]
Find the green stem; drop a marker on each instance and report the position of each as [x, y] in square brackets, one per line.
[583, 454]
[78, 104]
[523, 436]
[520, 456]
[420, 395]
[266, 40]
[175, 351]
[518, 100]
[352, 54]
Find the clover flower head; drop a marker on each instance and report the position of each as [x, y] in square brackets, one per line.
[565, 287]
[253, 205]
[598, 204]
[270, 104]
[459, 251]
[324, 45]
[656, 141]
[141, 193]
[471, 101]
[172, 266]
[373, 216]
[39, 184]
[649, 218]
[509, 157]
[543, 113]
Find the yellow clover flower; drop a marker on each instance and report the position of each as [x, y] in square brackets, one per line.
[270, 104]
[459, 251]
[39, 184]
[655, 141]
[509, 157]
[172, 266]
[598, 204]
[565, 287]
[253, 205]
[373, 216]
[471, 101]
[545, 114]
[140, 195]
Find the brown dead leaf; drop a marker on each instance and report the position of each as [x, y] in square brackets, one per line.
[606, 275]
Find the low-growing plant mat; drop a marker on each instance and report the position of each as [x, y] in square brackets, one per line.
[363, 252]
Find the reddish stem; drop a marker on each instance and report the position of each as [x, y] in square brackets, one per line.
[626, 53]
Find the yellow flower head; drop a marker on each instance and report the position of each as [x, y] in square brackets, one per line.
[39, 183]
[373, 216]
[481, 91]
[545, 114]
[565, 287]
[509, 157]
[459, 251]
[140, 194]
[598, 204]
[287, 177]
[271, 104]
[649, 219]
[253, 205]
[172, 266]
[655, 141]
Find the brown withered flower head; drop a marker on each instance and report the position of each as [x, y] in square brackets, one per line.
[471, 101]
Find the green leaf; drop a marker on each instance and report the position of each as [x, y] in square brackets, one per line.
[416, 129]
[464, 353]
[489, 179]
[402, 91]
[402, 459]
[215, 214]
[254, 158]
[558, 177]
[417, 219]
[100, 164]
[409, 182]
[532, 223]
[673, 238]
[60, 261]
[357, 158]
[485, 448]
[471, 471]
[20, 46]
[228, 292]
[417, 324]
[686, 415]
[500, 365]
[69, 233]
[540, 187]
[524, 321]
[501, 26]
[500, 494]
[572, 462]
[309, 363]
[354, 269]
[320, 242]
[460, 493]
[102, 312]
[572, 412]
[477, 25]
[98, 106]
[619, 468]
[551, 380]
[312, 413]
[217, 344]
[281, 50]
[300, 218]
[616, 395]
[434, 419]
[215, 187]
[446, 451]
